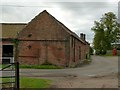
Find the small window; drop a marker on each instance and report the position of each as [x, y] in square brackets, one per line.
[7, 50]
[7, 54]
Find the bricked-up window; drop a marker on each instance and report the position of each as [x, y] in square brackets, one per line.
[29, 35]
[29, 46]
[79, 51]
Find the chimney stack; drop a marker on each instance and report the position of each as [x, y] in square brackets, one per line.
[82, 36]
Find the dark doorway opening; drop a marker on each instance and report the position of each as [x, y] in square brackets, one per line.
[7, 54]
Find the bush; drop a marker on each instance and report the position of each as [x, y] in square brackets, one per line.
[100, 52]
[103, 52]
[97, 52]
[118, 48]
[91, 51]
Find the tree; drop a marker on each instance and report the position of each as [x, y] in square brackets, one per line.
[99, 38]
[107, 31]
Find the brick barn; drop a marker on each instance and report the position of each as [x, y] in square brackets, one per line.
[45, 40]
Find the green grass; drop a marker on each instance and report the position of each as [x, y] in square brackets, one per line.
[0, 65]
[28, 82]
[118, 52]
[5, 66]
[7, 80]
[40, 67]
[35, 66]
[108, 54]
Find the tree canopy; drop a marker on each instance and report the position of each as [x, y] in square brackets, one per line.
[107, 31]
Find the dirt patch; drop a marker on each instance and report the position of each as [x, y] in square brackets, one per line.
[107, 81]
[101, 73]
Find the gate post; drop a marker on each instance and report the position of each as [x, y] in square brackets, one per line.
[17, 76]
[16, 42]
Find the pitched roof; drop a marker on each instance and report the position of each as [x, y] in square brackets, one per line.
[69, 31]
[10, 30]
[65, 28]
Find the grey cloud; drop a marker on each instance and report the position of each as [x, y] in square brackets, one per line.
[87, 11]
[78, 17]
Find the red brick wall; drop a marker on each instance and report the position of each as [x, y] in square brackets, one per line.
[47, 40]
[52, 52]
[43, 27]
[77, 52]
[51, 47]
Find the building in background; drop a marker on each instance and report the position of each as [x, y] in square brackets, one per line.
[9, 33]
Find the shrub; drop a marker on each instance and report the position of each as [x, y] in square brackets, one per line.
[97, 52]
[103, 52]
[91, 51]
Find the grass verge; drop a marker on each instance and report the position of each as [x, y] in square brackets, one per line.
[0, 65]
[111, 55]
[28, 82]
[40, 67]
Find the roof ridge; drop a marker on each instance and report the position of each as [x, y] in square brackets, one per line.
[66, 28]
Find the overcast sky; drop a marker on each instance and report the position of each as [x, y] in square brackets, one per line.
[78, 16]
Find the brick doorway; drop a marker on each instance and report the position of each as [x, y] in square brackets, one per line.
[7, 54]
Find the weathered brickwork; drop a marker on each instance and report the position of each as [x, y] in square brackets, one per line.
[45, 40]
[78, 51]
[42, 52]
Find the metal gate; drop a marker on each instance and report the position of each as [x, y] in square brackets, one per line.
[10, 76]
